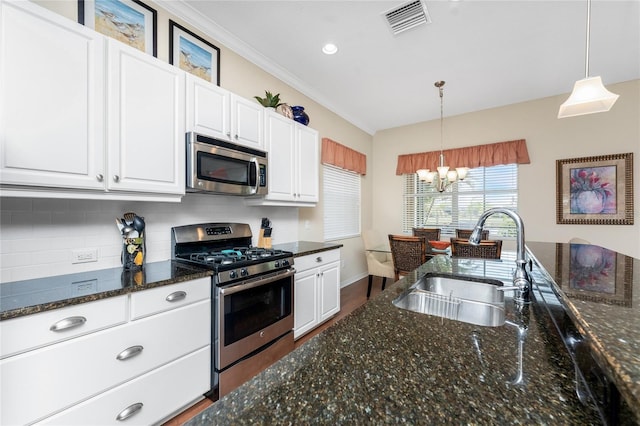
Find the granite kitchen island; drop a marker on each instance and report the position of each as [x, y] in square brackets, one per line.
[382, 364]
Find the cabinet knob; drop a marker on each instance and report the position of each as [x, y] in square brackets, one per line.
[228, 134]
[236, 136]
[318, 259]
[67, 323]
[116, 178]
[129, 411]
[99, 177]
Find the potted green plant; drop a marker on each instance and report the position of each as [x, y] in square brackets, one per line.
[270, 100]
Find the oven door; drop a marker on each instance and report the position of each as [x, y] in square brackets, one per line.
[223, 167]
[252, 314]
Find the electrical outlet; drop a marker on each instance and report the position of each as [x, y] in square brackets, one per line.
[84, 255]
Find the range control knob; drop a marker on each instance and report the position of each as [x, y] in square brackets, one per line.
[277, 264]
[285, 262]
[232, 274]
[244, 272]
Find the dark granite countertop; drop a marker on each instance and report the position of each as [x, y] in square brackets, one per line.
[26, 297]
[303, 248]
[601, 288]
[382, 364]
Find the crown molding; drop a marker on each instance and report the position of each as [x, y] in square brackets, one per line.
[210, 28]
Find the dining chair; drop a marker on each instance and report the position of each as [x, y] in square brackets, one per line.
[407, 253]
[466, 233]
[486, 249]
[379, 264]
[429, 234]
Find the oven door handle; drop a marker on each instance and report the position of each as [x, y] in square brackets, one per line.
[257, 282]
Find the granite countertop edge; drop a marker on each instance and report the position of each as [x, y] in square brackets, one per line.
[305, 248]
[191, 272]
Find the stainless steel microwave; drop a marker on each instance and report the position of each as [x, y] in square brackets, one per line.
[222, 167]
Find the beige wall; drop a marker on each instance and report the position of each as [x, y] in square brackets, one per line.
[548, 139]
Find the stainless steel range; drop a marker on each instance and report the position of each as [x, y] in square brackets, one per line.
[253, 298]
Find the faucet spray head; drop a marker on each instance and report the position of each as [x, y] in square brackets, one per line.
[476, 235]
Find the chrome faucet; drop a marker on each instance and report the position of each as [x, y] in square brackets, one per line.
[521, 279]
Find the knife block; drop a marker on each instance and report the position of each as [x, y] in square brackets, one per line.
[264, 242]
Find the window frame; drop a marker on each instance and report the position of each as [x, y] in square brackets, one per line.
[462, 201]
[348, 198]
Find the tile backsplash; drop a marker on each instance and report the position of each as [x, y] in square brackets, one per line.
[38, 236]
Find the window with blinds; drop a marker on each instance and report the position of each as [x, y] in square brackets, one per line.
[462, 204]
[341, 191]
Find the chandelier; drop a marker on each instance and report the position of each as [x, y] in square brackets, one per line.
[589, 94]
[443, 177]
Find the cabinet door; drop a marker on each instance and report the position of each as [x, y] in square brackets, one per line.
[146, 137]
[208, 108]
[329, 298]
[247, 122]
[305, 310]
[51, 99]
[280, 146]
[307, 163]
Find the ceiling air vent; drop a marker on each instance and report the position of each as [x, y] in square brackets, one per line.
[407, 16]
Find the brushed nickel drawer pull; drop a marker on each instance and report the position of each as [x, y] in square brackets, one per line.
[129, 411]
[176, 296]
[67, 323]
[129, 352]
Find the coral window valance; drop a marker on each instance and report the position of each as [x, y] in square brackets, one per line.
[338, 155]
[509, 152]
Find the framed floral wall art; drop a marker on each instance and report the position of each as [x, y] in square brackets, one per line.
[129, 21]
[595, 190]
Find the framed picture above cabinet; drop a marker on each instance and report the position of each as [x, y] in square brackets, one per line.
[193, 54]
[129, 21]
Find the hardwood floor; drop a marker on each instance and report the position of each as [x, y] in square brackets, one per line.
[351, 297]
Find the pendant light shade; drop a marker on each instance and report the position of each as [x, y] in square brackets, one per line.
[589, 96]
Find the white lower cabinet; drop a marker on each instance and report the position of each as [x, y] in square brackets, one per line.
[143, 400]
[316, 291]
[161, 358]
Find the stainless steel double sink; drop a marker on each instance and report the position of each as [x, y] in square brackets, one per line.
[478, 301]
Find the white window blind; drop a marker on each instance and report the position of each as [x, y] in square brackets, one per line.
[462, 204]
[341, 190]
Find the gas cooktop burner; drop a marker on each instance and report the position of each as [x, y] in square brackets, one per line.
[226, 249]
[226, 257]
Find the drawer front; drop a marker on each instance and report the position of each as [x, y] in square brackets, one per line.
[148, 302]
[315, 260]
[150, 398]
[33, 331]
[66, 373]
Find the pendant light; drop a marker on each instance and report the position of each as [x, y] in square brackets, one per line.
[589, 95]
[443, 177]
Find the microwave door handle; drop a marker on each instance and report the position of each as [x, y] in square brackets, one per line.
[255, 163]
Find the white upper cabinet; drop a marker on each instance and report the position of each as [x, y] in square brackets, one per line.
[216, 112]
[208, 108]
[51, 100]
[83, 116]
[146, 133]
[293, 163]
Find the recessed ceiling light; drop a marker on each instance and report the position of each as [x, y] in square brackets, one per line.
[329, 49]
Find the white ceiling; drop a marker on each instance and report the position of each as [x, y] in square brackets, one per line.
[490, 53]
